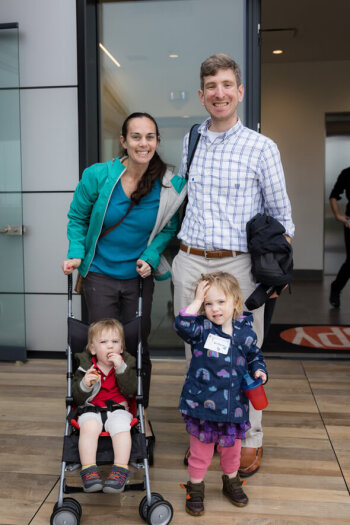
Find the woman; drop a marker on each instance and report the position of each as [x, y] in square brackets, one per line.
[123, 214]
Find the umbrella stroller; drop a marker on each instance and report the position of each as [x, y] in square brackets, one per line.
[153, 509]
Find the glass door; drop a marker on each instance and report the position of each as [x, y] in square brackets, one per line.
[12, 312]
[150, 54]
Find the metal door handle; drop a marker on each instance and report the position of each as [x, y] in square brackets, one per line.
[13, 230]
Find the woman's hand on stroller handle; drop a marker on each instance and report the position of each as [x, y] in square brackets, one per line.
[143, 268]
[70, 265]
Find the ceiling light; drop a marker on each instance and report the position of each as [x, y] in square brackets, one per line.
[173, 55]
[114, 60]
[178, 95]
[277, 51]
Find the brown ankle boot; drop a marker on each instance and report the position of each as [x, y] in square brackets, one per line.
[232, 488]
[194, 498]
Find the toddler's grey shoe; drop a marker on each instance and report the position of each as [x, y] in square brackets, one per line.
[91, 479]
[116, 480]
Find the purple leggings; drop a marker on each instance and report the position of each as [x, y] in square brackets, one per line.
[201, 455]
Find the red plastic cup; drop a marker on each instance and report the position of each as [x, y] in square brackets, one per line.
[254, 390]
[257, 397]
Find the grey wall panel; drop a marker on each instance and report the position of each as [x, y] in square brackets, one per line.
[47, 46]
[46, 321]
[49, 129]
[50, 158]
[45, 241]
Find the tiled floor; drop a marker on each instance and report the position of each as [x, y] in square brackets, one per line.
[309, 303]
[305, 474]
[304, 477]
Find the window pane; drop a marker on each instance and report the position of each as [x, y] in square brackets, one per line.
[150, 56]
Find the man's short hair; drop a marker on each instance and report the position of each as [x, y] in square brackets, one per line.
[211, 65]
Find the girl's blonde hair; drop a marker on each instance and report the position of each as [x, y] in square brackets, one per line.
[96, 328]
[229, 285]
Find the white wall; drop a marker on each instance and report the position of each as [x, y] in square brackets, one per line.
[295, 98]
[49, 140]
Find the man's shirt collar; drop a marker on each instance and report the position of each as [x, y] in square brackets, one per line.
[204, 127]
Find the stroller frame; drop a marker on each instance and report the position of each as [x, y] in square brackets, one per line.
[153, 508]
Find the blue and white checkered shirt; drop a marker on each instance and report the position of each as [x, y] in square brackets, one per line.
[231, 179]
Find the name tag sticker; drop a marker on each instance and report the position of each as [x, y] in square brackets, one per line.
[217, 343]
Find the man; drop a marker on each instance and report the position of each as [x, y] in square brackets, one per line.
[235, 173]
[342, 184]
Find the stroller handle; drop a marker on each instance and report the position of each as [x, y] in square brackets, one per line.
[70, 295]
[70, 285]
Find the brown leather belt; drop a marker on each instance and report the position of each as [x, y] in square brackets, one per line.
[209, 254]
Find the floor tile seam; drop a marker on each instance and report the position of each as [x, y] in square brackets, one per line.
[326, 430]
[44, 500]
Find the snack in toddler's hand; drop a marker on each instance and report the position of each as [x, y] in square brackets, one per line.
[95, 372]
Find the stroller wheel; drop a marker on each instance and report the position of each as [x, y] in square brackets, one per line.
[64, 516]
[160, 513]
[72, 504]
[143, 507]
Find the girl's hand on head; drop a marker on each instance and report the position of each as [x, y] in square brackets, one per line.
[70, 265]
[202, 290]
[261, 374]
[143, 269]
[116, 359]
[195, 306]
[90, 377]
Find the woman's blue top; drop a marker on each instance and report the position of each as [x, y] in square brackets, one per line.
[117, 252]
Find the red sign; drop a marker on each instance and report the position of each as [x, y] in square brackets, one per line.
[320, 337]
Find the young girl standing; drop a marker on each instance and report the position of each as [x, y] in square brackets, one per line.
[214, 407]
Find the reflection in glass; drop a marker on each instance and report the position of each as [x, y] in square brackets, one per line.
[141, 37]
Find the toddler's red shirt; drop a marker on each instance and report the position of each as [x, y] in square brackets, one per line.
[109, 388]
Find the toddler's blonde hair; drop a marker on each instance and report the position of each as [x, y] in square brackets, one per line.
[96, 328]
[229, 285]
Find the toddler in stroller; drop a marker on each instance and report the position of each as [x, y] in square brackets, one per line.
[105, 379]
[111, 392]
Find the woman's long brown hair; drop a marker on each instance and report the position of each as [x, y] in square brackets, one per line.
[156, 168]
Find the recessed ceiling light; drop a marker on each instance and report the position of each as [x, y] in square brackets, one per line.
[277, 51]
[173, 55]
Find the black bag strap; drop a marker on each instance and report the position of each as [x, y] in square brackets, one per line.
[193, 140]
[119, 222]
